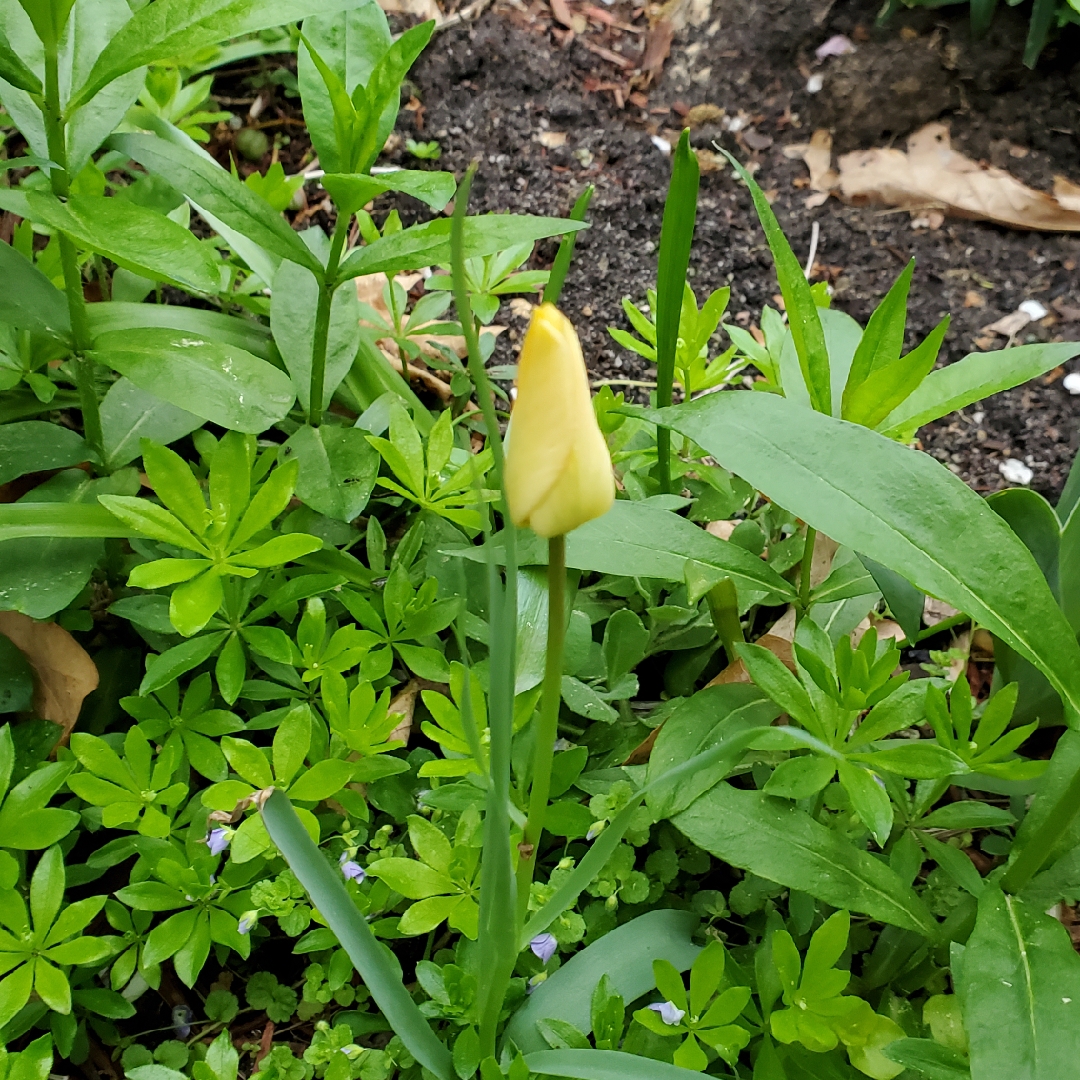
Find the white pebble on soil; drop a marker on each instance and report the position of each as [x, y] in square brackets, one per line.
[1015, 471]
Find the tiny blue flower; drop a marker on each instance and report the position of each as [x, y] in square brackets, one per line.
[352, 870]
[218, 840]
[543, 947]
[247, 921]
[668, 1012]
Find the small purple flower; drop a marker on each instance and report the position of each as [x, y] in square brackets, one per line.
[543, 947]
[352, 870]
[218, 840]
[668, 1012]
[247, 921]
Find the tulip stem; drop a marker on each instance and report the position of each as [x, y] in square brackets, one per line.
[547, 730]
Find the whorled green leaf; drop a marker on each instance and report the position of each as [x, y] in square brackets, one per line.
[897, 506]
[976, 376]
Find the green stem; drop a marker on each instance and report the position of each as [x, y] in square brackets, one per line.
[807, 566]
[1036, 851]
[327, 288]
[547, 730]
[499, 926]
[59, 180]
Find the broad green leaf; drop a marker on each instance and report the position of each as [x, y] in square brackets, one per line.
[228, 330]
[899, 507]
[640, 540]
[625, 955]
[293, 300]
[218, 382]
[711, 715]
[775, 840]
[1019, 986]
[35, 446]
[603, 1065]
[30, 300]
[134, 237]
[427, 244]
[351, 191]
[323, 779]
[42, 576]
[1033, 519]
[976, 376]
[338, 467]
[804, 321]
[350, 43]
[209, 185]
[169, 28]
[927, 1058]
[129, 414]
[377, 966]
[411, 878]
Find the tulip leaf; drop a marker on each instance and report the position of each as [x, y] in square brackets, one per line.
[625, 954]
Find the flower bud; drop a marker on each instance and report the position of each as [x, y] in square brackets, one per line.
[558, 470]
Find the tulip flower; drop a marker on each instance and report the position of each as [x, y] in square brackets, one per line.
[558, 470]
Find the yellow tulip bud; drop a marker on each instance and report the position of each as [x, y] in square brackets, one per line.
[558, 470]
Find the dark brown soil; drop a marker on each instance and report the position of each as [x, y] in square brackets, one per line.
[489, 90]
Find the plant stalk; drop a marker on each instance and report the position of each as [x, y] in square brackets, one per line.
[327, 288]
[60, 183]
[499, 925]
[806, 568]
[723, 601]
[547, 730]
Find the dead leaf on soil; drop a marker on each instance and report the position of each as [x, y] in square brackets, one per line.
[931, 176]
[405, 704]
[420, 9]
[64, 672]
[935, 611]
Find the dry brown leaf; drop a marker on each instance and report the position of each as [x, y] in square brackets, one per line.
[931, 176]
[405, 704]
[521, 308]
[1009, 324]
[64, 673]
[1067, 193]
[817, 154]
[721, 529]
[934, 611]
[420, 9]
[657, 47]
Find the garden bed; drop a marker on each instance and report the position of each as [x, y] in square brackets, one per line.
[492, 89]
